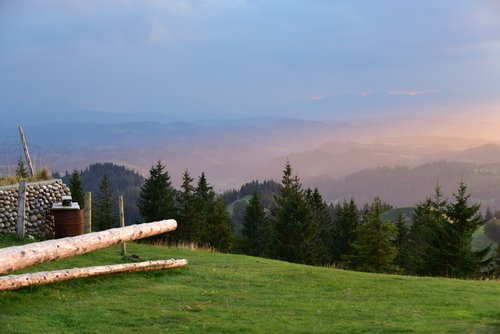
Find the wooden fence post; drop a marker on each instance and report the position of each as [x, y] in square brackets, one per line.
[87, 213]
[26, 152]
[122, 223]
[21, 210]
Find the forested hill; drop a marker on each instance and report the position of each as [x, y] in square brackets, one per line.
[237, 200]
[403, 186]
[266, 191]
[122, 181]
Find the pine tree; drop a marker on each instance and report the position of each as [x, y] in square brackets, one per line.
[320, 225]
[293, 234]
[219, 230]
[203, 189]
[429, 237]
[204, 199]
[21, 171]
[156, 199]
[344, 231]
[212, 221]
[187, 213]
[103, 208]
[75, 186]
[401, 242]
[463, 221]
[255, 226]
[441, 237]
[373, 250]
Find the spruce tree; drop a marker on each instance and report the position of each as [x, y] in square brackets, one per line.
[429, 237]
[103, 209]
[293, 234]
[75, 186]
[373, 250]
[156, 199]
[212, 221]
[344, 231]
[186, 226]
[320, 225]
[203, 189]
[401, 242]
[255, 227]
[219, 230]
[441, 237]
[463, 221]
[204, 200]
[21, 171]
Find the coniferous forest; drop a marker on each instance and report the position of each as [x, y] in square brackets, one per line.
[283, 220]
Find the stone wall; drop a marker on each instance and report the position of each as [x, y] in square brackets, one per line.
[39, 199]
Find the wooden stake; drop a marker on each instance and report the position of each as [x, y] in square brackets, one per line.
[18, 257]
[87, 215]
[21, 210]
[122, 223]
[26, 152]
[13, 282]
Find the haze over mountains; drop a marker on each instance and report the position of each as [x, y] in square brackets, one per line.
[233, 151]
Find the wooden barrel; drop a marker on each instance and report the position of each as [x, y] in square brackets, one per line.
[68, 223]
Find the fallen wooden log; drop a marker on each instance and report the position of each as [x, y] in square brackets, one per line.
[13, 282]
[18, 257]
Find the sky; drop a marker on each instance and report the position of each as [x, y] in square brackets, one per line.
[320, 59]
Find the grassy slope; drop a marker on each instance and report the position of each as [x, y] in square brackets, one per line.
[222, 293]
[393, 214]
[245, 199]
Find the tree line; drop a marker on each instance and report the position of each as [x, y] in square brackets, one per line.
[301, 228]
[295, 224]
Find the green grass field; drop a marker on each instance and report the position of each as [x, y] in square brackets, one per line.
[224, 293]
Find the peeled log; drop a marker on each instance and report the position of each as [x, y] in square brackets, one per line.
[13, 282]
[18, 257]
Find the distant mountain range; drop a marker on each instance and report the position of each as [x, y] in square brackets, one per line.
[358, 157]
[405, 186]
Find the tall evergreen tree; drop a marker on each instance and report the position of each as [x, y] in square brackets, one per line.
[75, 186]
[320, 224]
[187, 213]
[212, 221]
[203, 189]
[344, 231]
[156, 199]
[293, 234]
[255, 227]
[204, 200]
[373, 250]
[429, 235]
[219, 231]
[401, 242]
[103, 209]
[463, 221]
[21, 171]
[441, 237]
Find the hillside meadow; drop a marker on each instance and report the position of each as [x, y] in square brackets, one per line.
[226, 293]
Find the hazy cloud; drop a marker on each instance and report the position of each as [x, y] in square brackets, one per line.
[413, 92]
[158, 32]
[240, 57]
